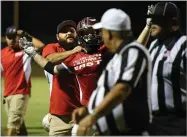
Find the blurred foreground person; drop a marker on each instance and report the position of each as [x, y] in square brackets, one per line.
[16, 67]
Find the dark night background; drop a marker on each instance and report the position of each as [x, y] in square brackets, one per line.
[40, 18]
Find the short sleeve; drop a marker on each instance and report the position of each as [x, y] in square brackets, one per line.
[133, 64]
[49, 49]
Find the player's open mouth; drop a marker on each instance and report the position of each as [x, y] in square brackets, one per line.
[70, 38]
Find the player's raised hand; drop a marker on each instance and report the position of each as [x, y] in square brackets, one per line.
[27, 47]
[149, 12]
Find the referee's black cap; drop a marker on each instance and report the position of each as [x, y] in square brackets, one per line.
[66, 23]
[166, 10]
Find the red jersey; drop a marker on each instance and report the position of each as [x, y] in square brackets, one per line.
[64, 88]
[17, 71]
[85, 66]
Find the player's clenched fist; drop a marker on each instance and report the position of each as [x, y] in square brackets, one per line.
[27, 47]
[77, 49]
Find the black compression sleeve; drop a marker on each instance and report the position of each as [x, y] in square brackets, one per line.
[49, 67]
[60, 67]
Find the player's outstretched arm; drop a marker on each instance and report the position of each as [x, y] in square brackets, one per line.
[40, 60]
[44, 63]
[145, 34]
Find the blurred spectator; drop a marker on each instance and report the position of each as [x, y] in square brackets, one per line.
[16, 67]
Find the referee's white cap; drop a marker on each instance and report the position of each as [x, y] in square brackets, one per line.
[114, 19]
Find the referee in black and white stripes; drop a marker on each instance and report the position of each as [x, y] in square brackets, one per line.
[120, 105]
[168, 53]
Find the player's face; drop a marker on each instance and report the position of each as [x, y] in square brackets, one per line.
[67, 34]
[88, 35]
[14, 44]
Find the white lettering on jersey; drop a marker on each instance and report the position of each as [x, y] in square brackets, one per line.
[87, 61]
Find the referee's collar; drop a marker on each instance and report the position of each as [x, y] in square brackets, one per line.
[125, 42]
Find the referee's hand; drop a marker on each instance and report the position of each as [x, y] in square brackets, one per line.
[149, 12]
[85, 126]
[79, 113]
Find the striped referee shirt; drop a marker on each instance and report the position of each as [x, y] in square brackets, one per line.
[169, 74]
[130, 65]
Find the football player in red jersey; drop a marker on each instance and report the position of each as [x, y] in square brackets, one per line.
[16, 67]
[86, 64]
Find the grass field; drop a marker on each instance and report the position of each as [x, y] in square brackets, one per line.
[37, 108]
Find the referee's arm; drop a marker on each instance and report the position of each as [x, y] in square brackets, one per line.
[117, 95]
